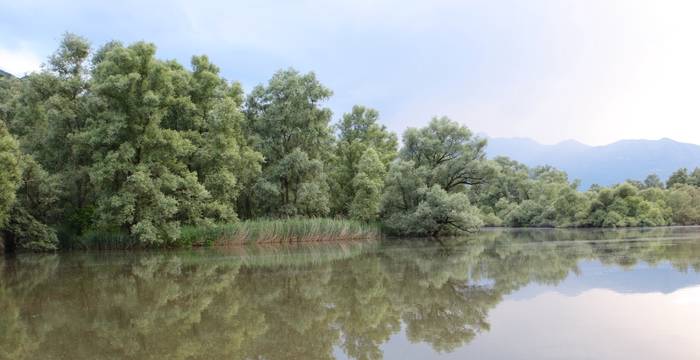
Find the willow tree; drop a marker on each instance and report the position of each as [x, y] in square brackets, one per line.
[139, 170]
[28, 196]
[358, 131]
[368, 184]
[454, 156]
[680, 176]
[34, 214]
[653, 181]
[206, 111]
[426, 189]
[10, 174]
[47, 111]
[289, 127]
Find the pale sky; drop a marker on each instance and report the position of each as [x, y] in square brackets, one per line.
[596, 71]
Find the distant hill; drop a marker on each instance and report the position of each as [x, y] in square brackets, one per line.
[5, 74]
[604, 165]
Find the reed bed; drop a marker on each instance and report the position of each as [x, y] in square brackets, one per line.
[102, 241]
[280, 231]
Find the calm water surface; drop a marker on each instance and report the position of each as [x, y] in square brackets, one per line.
[536, 294]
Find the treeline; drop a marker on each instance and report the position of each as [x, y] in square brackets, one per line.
[543, 196]
[116, 141]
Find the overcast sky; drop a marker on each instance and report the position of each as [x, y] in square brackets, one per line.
[592, 70]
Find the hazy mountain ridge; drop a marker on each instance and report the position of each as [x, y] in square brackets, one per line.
[606, 164]
[4, 73]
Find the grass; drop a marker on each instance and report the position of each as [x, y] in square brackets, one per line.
[101, 241]
[251, 232]
[280, 231]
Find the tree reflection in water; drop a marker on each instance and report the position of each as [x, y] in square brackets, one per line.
[299, 303]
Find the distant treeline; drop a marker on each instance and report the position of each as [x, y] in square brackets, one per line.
[116, 141]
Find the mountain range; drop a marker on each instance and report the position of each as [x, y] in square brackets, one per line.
[603, 165]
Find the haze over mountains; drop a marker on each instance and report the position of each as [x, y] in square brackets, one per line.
[603, 165]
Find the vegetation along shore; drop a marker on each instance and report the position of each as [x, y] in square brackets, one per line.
[112, 147]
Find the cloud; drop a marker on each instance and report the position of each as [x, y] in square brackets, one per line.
[19, 61]
[596, 70]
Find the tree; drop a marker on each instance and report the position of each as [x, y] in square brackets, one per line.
[653, 181]
[453, 155]
[684, 201]
[368, 185]
[425, 191]
[680, 176]
[358, 131]
[28, 227]
[508, 185]
[207, 113]
[306, 191]
[624, 205]
[48, 113]
[10, 174]
[694, 178]
[288, 126]
[139, 168]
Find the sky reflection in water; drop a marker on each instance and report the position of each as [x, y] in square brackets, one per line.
[531, 294]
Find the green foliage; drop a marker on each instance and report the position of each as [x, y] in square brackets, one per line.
[368, 185]
[425, 191]
[10, 174]
[680, 177]
[551, 200]
[694, 178]
[684, 201]
[208, 115]
[449, 151]
[624, 205]
[143, 185]
[93, 240]
[117, 148]
[653, 181]
[291, 230]
[289, 128]
[50, 111]
[34, 209]
[358, 131]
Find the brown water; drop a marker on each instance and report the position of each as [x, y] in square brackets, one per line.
[537, 294]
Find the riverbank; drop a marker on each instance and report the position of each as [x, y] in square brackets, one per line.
[317, 230]
[260, 231]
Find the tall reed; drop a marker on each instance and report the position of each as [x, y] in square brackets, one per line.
[280, 231]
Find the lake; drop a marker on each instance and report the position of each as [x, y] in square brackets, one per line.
[498, 294]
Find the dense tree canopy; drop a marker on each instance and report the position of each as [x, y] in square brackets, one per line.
[10, 175]
[292, 131]
[449, 151]
[29, 225]
[358, 131]
[653, 181]
[368, 185]
[139, 167]
[426, 187]
[117, 141]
